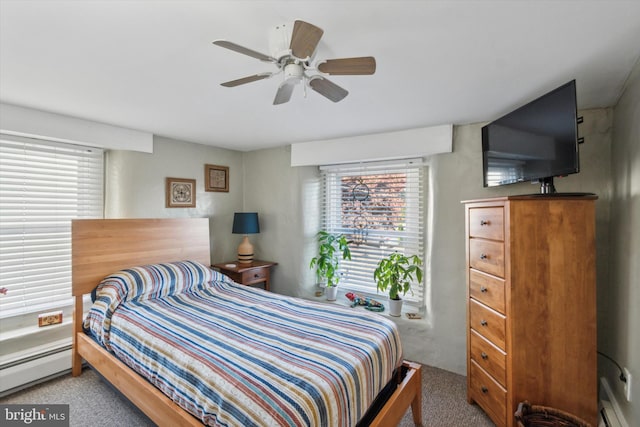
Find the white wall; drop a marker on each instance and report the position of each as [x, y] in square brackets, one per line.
[135, 187]
[619, 318]
[286, 199]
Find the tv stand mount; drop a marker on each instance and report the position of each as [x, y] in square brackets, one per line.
[547, 189]
[546, 186]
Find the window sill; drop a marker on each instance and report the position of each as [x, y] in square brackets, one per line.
[344, 301]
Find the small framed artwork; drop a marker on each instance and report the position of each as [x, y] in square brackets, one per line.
[181, 193]
[216, 178]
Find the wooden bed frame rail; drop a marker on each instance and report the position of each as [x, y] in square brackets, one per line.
[101, 247]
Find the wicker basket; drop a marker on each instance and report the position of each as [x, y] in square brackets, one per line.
[529, 415]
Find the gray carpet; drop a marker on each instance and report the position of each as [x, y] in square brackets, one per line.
[95, 403]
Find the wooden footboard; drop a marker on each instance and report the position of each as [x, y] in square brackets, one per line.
[409, 392]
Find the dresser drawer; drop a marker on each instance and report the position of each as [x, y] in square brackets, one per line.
[487, 256]
[488, 394]
[489, 357]
[487, 223]
[488, 323]
[487, 289]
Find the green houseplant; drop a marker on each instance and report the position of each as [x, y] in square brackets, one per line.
[395, 273]
[331, 248]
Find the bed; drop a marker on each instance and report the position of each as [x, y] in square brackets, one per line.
[102, 247]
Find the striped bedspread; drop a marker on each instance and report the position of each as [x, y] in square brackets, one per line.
[238, 356]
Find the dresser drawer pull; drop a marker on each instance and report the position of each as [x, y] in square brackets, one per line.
[483, 289]
[484, 256]
[484, 356]
[483, 322]
[256, 275]
[484, 222]
[484, 390]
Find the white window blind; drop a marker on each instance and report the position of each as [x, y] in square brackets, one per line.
[380, 208]
[43, 185]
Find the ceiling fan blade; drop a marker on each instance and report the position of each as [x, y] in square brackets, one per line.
[244, 50]
[327, 89]
[284, 91]
[349, 66]
[244, 80]
[304, 39]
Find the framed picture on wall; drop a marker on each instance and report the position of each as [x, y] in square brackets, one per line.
[180, 193]
[216, 178]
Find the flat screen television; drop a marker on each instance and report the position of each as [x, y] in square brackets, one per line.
[536, 142]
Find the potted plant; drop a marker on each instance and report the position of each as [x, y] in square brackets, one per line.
[395, 273]
[331, 248]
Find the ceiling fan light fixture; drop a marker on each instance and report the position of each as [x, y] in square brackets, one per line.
[293, 70]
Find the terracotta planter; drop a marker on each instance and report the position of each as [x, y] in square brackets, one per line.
[395, 307]
[332, 293]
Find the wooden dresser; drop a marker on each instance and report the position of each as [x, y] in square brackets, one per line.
[531, 305]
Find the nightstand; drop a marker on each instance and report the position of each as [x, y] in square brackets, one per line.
[247, 274]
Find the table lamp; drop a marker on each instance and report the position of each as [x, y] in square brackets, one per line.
[245, 223]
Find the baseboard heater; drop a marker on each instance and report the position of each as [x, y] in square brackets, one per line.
[22, 373]
[610, 414]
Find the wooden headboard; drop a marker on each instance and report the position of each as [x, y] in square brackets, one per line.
[103, 246]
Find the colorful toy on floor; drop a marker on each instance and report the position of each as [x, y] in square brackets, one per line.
[368, 303]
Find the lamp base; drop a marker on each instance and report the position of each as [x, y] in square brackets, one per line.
[245, 251]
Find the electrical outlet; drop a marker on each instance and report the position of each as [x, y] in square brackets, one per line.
[627, 385]
[47, 319]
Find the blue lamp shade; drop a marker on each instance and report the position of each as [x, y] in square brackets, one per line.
[245, 223]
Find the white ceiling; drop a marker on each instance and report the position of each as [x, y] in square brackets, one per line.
[151, 66]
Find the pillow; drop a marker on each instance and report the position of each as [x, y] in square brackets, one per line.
[144, 283]
[158, 280]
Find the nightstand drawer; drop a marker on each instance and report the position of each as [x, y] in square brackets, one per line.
[488, 394]
[487, 256]
[487, 289]
[487, 223]
[488, 323]
[255, 275]
[489, 357]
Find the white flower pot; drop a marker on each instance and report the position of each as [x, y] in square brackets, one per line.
[332, 293]
[395, 307]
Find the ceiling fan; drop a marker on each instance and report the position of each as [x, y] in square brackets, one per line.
[292, 53]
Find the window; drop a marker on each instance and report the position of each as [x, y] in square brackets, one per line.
[43, 185]
[380, 207]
